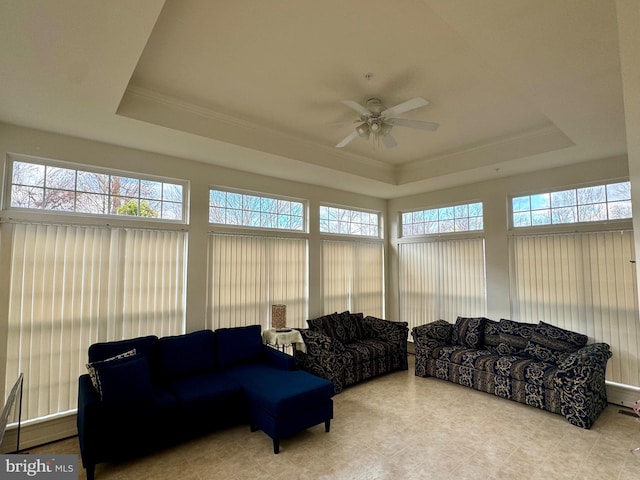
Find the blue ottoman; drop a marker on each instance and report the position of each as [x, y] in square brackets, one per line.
[283, 403]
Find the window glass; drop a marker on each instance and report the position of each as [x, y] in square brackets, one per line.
[255, 211]
[588, 204]
[455, 218]
[66, 189]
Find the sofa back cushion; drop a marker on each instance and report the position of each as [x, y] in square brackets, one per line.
[189, 354]
[238, 345]
[468, 332]
[147, 347]
[353, 326]
[329, 325]
[514, 337]
[552, 344]
[491, 337]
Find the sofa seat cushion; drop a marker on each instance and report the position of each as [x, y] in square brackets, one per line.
[209, 390]
[524, 369]
[281, 392]
[368, 350]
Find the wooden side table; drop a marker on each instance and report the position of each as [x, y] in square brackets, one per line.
[284, 338]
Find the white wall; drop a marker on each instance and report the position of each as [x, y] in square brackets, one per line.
[494, 195]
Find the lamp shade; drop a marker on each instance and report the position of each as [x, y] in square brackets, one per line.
[278, 316]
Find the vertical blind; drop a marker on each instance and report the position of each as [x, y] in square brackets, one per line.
[583, 282]
[441, 279]
[353, 277]
[72, 286]
[248, 274]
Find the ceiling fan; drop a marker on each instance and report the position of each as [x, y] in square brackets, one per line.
[376, 120]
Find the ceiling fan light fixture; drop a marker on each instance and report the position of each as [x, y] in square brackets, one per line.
[363, 130]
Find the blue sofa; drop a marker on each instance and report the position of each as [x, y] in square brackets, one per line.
[148, 392]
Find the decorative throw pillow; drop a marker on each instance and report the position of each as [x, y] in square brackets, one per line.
[123, 380]
[352, 326]
[92, 370]
[468, 332]
[491, 338]
[323, 324]
[552, 344]
[514, 337]
[440, 330]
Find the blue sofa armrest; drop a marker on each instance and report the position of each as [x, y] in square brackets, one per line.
[581, 385]
[278, 359]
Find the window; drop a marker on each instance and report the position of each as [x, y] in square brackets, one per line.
[589, 204]
[248, 274]
[349, 222]
[72, 286]
[583, 282]
[353, 276]
[44, 186]
[455, 218]
[442, 279]
[245, 210]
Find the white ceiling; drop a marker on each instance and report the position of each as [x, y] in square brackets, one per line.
[516, 85]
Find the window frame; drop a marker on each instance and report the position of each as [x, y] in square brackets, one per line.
[88, 217]
[351, 236]
[578, 226]
[436, 235]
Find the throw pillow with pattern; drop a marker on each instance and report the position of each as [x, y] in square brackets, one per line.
[552, 344]
[468, 332]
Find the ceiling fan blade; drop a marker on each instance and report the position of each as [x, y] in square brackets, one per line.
[403, 107]
[389, 141]
[405, 122]
[357, 107]
[346, 140]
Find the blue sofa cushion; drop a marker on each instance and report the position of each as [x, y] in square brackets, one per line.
[239, 345]
[469, 332]
[189, 354]
[125, 380]
[553, 344]
[281, 392]
[145, 346]
[210, 390]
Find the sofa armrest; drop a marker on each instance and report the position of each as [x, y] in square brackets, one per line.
[432, 335]
[580, 383]
[278, 359]
[397, 332]
[325, 357]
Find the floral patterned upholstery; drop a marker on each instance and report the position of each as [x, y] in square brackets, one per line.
[348, 348]
[553, 370]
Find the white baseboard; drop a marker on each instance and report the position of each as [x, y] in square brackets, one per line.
[39, 433]
[623, 395]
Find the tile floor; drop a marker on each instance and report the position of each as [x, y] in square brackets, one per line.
[402, 427]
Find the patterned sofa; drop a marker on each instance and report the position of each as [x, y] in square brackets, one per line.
[539, 365]
[347, 348]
